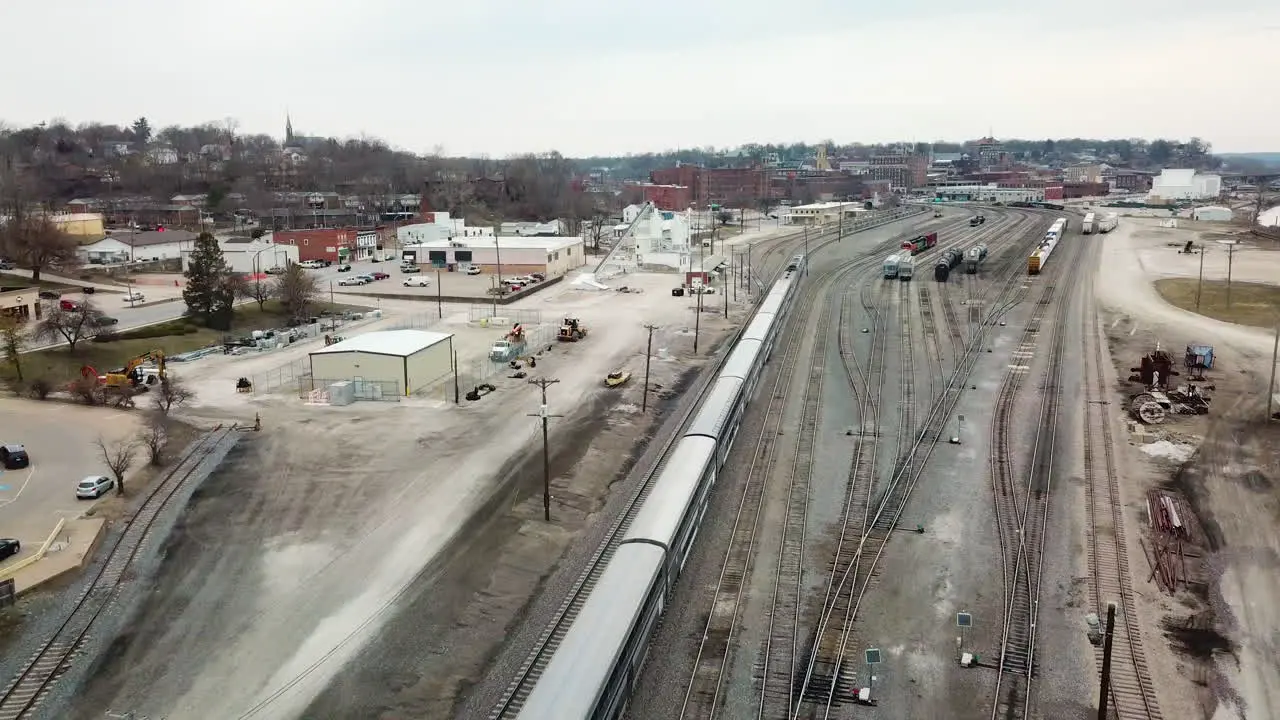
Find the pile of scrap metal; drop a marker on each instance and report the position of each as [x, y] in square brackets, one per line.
[1153, 406]
[1158, 400]
[1175, 539]
[480, 391]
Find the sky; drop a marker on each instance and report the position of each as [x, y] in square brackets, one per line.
[593, 77]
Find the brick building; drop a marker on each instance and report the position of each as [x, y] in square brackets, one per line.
[331, 244]
[734, 187]
[663, 197]
[904, 170]
[1053, 192]
[1084, 189]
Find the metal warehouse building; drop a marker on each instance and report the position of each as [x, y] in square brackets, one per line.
[411, 359]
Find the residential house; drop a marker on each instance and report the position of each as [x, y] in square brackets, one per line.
[162, 155]
[135, 246]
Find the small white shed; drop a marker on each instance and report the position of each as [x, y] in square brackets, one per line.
[409, 359]
[1212, 213]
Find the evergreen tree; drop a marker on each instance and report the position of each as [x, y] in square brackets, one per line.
[211, 290]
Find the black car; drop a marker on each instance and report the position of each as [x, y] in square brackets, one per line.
[9, 547]
[104, 321]
[14, 457]
[50, 294]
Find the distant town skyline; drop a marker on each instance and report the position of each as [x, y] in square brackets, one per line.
[498, 77]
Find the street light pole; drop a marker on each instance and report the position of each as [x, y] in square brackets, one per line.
[439, 306]
[1271, 385]
[697, 320]
[542, 413]
[1230, 251]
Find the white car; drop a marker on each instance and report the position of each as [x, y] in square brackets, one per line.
[419, 281]
[93, 487]
[473, 269]
[349, 281]
[135, 297]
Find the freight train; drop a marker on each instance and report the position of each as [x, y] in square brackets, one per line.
[1108, 222]
[973, 257]
[592, 672]
[949, 260]
[1051, 238]
[920, 243]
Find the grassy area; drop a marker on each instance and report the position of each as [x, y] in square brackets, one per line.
[59, 365]
[1253, 304]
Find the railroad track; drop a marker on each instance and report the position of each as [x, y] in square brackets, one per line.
[1022, 503]
[932, 339]
[828, 674]
[56, 655]
[781, 654]
[1132, 695]
[702, 696]
[518, 689]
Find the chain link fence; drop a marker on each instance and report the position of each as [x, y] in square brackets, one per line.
[471, 373]
[317, 389]
[478, 313]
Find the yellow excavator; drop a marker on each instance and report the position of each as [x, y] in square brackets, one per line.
[134, 374]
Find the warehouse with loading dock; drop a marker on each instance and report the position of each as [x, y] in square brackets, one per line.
[392, 361]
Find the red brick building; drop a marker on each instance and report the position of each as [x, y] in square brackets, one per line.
[733, 187]
[332, 244]
[1084, 189]
[1053, 192]
[663, 197]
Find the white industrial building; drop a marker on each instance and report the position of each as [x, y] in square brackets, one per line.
[1182, 184]
[248, 256]
[662, 239]
[552, 256]
[820, 213]
[1212, 213]
[126, 246]
[991, 193]
[406, 360]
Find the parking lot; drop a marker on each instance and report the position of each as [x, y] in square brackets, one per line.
[452, 284]
[60, 439]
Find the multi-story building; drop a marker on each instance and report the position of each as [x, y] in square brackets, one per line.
[1083, 174]
[903, 169]
[1131, 181]
[990, 153]
[734, 187]
[1183, 184]
[990, 193]
[663, 197]
[1072, 190]
[331, 244]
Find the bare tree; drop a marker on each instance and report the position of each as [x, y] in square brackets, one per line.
[1260, 202]
[71, 326]
[35, 242]
[154, 436]
[258, 291]
[172, 393]
[87, 389]
[119, 457]
[12, 340]
[296, 290]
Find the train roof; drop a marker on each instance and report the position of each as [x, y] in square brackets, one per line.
[571, 686]
[673, 491]
[773, 301]
[716, 406]
[743, 357]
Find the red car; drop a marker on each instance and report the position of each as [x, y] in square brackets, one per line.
[379, 275]
[70, 305]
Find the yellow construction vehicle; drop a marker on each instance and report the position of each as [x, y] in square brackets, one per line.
[572, 331]
[134, 374]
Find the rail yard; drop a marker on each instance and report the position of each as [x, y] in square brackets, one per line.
[896, 488]
[897, 467]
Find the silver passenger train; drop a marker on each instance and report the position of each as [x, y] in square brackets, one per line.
[591, 674]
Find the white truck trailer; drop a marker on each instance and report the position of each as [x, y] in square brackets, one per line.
[1086, 227]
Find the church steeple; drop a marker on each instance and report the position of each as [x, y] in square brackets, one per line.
[288, 130]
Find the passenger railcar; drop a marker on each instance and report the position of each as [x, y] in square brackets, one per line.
[599, 660]
[591, 674]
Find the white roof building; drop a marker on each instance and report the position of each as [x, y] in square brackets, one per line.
[1212, 213]
[1184, 184]
[396, 362]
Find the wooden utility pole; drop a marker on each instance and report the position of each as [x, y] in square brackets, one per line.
[1200, 282]
[697, 319]
[1105, 690]
[439, 306]
[544, 383]
[648, 355]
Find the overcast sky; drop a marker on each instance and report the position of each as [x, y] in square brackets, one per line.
[599, 77]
